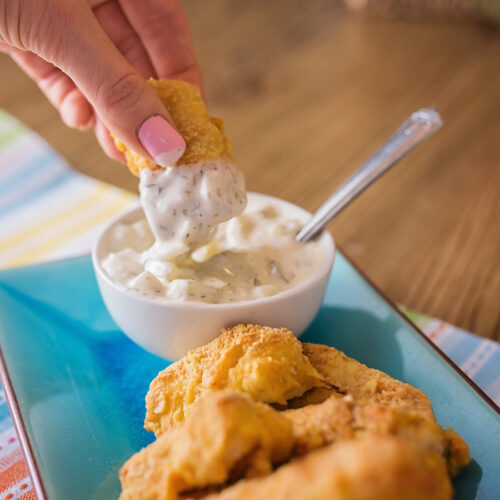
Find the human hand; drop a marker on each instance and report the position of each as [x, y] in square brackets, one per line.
[91, 59]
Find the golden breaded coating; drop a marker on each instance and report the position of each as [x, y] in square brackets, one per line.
[457, 452]
[227, 436]
[369, 468]
[366, 385]
[351, 432]
[204, 136]
[266, 363]
[337, 419]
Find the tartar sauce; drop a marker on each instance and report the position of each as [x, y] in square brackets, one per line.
[185, 204]
[250, 256]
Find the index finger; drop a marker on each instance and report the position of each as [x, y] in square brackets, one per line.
[164, 30]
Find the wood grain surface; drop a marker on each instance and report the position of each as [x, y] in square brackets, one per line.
[308, 93]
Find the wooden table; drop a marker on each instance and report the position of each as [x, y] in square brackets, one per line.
[308, 93]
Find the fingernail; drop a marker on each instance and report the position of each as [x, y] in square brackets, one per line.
[88, 125]
[161, 141]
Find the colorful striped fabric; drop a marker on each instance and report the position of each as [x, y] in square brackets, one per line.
[479, 358]
[48, 211]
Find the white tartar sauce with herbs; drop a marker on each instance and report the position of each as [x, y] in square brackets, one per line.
[191, 257]
[185, 204]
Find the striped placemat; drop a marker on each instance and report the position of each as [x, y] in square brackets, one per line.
[48, 211]
[477, 357]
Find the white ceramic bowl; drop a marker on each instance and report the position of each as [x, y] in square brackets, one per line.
[170, 329]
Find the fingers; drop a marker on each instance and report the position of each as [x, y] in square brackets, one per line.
[5, 48]
[106, 142]
[122, 100]
[118, 28]
[74, 108]
[164, 31]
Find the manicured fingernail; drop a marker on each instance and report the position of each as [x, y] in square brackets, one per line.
[161, 141]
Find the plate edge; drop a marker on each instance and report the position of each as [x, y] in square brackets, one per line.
[22, 434]
[445, 357]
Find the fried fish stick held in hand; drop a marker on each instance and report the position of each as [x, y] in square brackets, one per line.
[186, 198]
[202, 133]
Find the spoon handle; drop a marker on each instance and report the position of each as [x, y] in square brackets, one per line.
[418, 127]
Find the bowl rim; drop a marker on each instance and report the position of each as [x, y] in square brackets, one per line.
[323, 270]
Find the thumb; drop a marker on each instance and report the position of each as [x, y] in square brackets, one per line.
[124, 102]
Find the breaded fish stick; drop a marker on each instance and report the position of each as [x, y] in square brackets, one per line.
[266, 363]
[368, 468]
[227, 436]
[204, 136]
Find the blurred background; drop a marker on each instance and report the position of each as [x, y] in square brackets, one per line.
[309, 89]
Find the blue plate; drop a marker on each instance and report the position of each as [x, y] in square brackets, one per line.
[76, 384]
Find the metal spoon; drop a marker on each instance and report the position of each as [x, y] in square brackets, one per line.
[418, 127]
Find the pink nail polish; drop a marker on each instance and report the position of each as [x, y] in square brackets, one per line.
[161, 141]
